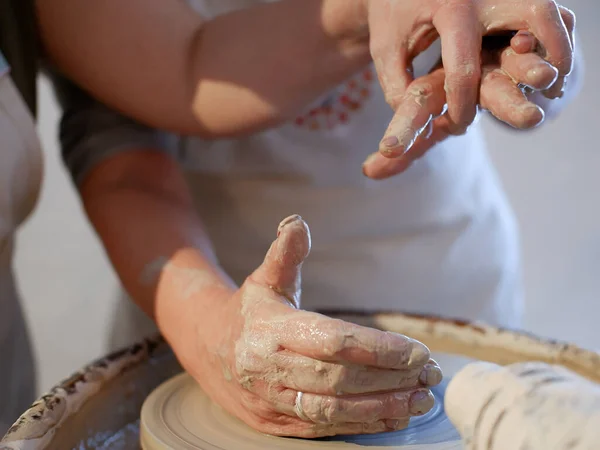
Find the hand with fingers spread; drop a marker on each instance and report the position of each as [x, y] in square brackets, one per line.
[400, 30]
[507, 72]
[289, 372]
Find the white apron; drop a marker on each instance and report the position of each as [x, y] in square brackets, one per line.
[20, 180]
[440, 238]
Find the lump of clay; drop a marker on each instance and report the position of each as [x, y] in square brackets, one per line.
[534, 406]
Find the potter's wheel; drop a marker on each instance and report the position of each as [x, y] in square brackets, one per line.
[178, 415]
[99, 406]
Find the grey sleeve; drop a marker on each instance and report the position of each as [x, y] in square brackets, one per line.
[90, 132]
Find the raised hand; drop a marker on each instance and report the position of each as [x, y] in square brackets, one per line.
[506, 71]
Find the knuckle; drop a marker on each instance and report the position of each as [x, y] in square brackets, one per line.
[543, 7]
[494, 75]
[339, 379]
[334, 339]
[333, 410]
[466, 75]
[316, 408]
[394, 94]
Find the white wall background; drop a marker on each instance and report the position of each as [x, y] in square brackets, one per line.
[552, 176]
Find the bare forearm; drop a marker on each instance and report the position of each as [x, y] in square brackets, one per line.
[264, 64]
[160, 63]
[153, 237]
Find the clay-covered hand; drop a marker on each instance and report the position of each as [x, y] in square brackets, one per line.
[506, 71]
[532, 406]
[400, 30]
[258, 352]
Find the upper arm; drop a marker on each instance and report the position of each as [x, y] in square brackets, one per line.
[133, 55]
[91, 133]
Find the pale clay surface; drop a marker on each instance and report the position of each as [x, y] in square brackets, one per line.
[178, 410]
[41, 427]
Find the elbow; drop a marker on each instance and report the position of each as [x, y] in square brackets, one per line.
[224, 113]
[226, 108]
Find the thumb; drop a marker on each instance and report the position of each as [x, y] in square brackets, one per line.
[281, 268]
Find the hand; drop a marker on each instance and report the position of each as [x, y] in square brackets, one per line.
[400, 30]
[256, 352]
[505, 70]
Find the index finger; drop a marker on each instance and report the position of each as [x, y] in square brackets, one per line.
[568, 19]
[326, 339]
[460, 32]
[547, 24]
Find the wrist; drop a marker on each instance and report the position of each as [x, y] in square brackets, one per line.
[188, 286]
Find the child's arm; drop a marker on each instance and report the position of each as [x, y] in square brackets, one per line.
[243, 71]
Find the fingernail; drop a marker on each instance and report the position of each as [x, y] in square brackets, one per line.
[533, 74]
[431, 375]
[389, 145]
[395, 425]
[390, 142]
[538, 75]
[285, 222]
[421, 402]
[419, 354]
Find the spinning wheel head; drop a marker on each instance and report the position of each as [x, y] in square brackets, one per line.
[179, 416]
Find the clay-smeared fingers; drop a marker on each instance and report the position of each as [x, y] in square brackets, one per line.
[323, 416]
[389, 51]
[305, 374]
[363, 409]
[461, 33]
[326, 409]
[325, 339]
[528, 69]
[284, 425]
[505, 101]
[547, 25]
[556, 90]
[424, 99]
[378, 167]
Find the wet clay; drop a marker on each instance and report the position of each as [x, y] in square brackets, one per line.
[105, 398]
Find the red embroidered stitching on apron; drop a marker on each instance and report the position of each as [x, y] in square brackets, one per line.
[337, 109]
